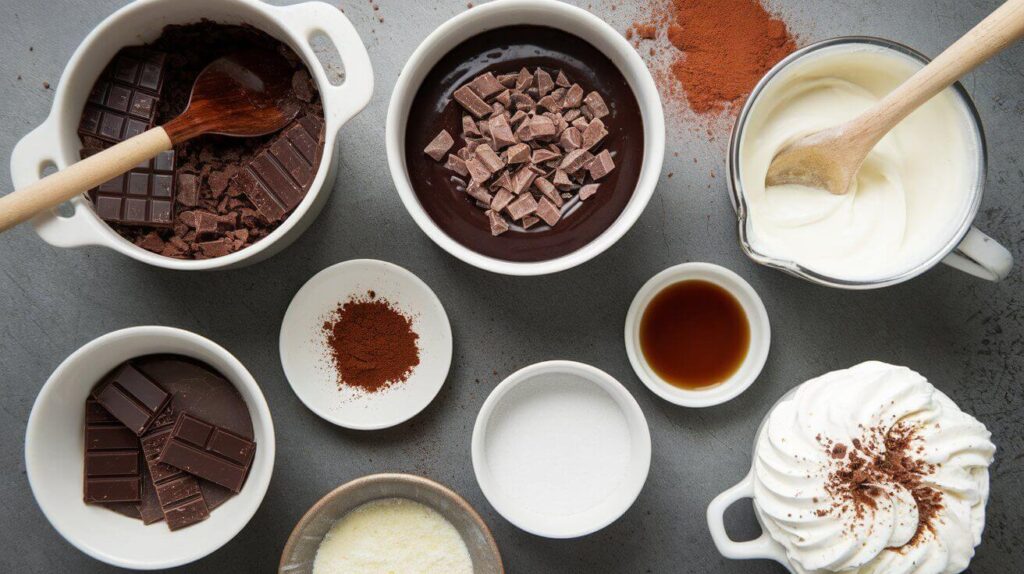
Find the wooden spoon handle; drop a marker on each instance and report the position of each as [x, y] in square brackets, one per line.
[1000, 29]
[80, 177]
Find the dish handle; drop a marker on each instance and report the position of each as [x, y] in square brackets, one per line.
[981, 256]
[30, 157]
[341, 102]
[761, 547]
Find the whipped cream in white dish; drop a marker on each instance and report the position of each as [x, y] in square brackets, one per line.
[830, 519]
[907, 201]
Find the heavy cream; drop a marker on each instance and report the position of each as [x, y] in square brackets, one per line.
[907, 201]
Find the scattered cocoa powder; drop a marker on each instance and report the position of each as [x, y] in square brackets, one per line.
[371, 344]
[717, 50]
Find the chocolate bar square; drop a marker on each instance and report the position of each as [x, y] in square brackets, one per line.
[123, 102]
[113, 458]
[143, 196]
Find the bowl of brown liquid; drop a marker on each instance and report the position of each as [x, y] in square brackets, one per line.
[697, 334]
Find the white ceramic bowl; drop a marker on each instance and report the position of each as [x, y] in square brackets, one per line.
[753, 308]
[556, 461]
[56, 142]
[54, 454]
[304, 354]
[553, 14]
[300, 551]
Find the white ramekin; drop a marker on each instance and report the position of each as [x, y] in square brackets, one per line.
[56, 142]
[54, 455]
[553, 14]
[753, 308]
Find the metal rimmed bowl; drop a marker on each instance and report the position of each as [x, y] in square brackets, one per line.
[301, 548]
[967, 249]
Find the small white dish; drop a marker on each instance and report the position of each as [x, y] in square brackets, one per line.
[561, 449]
[306, 360]
[54, 453]
[753, 308]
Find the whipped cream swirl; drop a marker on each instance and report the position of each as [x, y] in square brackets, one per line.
[928, 524]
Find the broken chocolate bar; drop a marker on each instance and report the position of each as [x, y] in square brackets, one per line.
[132, 398]
[278, 177]
[123, 102]
[209, 452]
[113, 460]
[178, 492]
[143, 196]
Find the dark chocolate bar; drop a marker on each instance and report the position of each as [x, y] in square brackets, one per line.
[133, 398]
[113, 459]
[123, 102]
[143, 196]
[209, 452]
[278, 177]
[178, 492]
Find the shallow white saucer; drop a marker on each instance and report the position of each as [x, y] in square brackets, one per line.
[305, 358]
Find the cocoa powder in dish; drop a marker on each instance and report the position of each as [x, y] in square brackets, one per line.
[371, 344]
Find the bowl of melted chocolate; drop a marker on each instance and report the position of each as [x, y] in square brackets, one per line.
[525, 137]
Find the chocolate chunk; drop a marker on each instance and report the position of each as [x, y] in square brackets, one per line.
[217, 247]
[178, 493]
[113, 460]
[504, 98]
[519, 153]
[548, 190]
[123, 102]
[486, 85]
[602, 165]
[188, 189]
[562, 181]
[571, 115]
[143, 196]
[523, 133]
[302, 86]
[547, 211]
[595, 103]
[575, 161]
[542, 127]
[524, 80]
[132, 398]
[508, 80]
[457, 164]
[489, 159]
[501, 199]
[570, 139]
[588, 190]
[501, 132]
[278, 177]
[529, 221]
[497, 222]
[544, 82]
[562, 80]
[151, 242]
[502, 182]
[522, 180]
[544, 155]
[477, 170]
[573, 97]
[580, 124]
[523, 205]
[478, 193]
[440, 145]
[594, 133]
[549, 103]
[471, 102]
[209, 452]
[469, 127]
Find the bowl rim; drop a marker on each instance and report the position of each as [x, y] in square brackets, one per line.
[241, 378]
[416, 480]
[638, 467]
[105, 235]
[634, 70]
[757, 318]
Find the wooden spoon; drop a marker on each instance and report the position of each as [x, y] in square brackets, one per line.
[245, 94]
[829, 159]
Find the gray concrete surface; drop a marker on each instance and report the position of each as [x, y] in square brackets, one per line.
[965, 334]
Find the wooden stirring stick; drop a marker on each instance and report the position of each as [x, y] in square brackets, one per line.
[829, 159]
[243, 95]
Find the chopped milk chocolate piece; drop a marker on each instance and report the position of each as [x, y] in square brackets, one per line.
[544, 82]
[477, 170]
[548, 190]
[523, 132]
[501, 132]
[543, 155]
[457, 164]
[486, 85]
[518, 117]
[497, 109]
[489, 159]
[504, 98]
[502, 182]
[602, 165]
[575, 160]
[478, 193]
[440, 145]
[523, 205]
[562, 181]
[523, 179]
[588, 190]
[469, 127]
[595, 103]
[508, 80]
[542, 127]
[523, 102]
[549, 103]
[529, 221]
[485, 129]
[594, 133]
[581, 124]
[562, 80]
[472, 102]
[188, 189]
[571, 115]
[573, 97]
[524, 80]
[519, 153]
[498, 223]
[570, 139]
[501, 199]
[547, 211]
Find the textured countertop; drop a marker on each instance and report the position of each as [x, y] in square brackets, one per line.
[965, 334]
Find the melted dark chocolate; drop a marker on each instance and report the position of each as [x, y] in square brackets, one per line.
[503, 51]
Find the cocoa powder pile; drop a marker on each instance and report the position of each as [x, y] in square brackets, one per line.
[714, 51]
[882, 459]
[371, 344]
